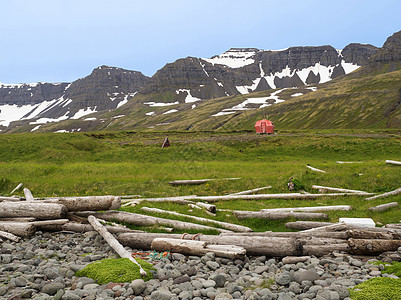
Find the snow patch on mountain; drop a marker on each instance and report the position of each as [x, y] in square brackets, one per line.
[234, 58]
[189, 98]
[83, 112]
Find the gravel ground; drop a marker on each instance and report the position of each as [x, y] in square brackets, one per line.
[43, 267]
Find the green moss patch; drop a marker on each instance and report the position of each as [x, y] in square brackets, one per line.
[380, 288]
[115, 270]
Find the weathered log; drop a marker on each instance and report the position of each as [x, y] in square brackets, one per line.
[252, 191]
[16, 188]
[207, 206]
[372, 246]
[111, 240]
[298, 234]
[310, 209]
[233, 227]
[10, 199]
[269, 246]
[367, 234]
[93, 203]
[144, 220]
[331, 189]
[295, 259]
[196, 181]
[278, 215]
[179, 199]
[28, 195]
[304, 225]
[395, 226]
[198, 248]
[9, 236]
[27, 219]
[392, 193]
[383, 207]
[50, 222]
[77, 227]
[320, 250]
[18, 228]
[393, 162]
[32, 209]
[316, 170]
[348, 162]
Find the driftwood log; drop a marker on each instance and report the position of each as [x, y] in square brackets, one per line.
[10, 198]
[392, 193]
[384, 207]
[393, 162]
[207, 206]
[32, 209]
[310, 208]
[278, 215]
[324, 189]
[9, 236]
[197, 181]
[252, 191]
[93, 203]
[28, 195]
[198, 248]
[144, 220]
[16, 188]
[372, 246]
[18, 228]
[111, 240]
[304, 225]
[315, 169]
[229, 226]
[78, 227]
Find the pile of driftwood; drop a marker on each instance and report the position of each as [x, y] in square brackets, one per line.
[21, 217]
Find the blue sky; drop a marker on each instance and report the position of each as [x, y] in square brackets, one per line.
[63, 40]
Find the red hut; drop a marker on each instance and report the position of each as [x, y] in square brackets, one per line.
[264, 127]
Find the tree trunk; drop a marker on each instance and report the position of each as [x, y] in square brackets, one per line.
[278, 215]
[300, 234]
[77, 227]
[9, 236]
[372, 247]
[18, 228]
[252, 191]
[32, 209]
[27, 219]
[28, 195]
[383, 207]
[229, 226]
[198, 248]
[197, 181]
[93, 203]
[207, 206]
[310, 209]
[394, 162]
[392, 193]
[320, 250]
[144, 220]
[13, 199]
[316, 170]
[303, 225]
[110, 239]
[324, 189]
[366, 234]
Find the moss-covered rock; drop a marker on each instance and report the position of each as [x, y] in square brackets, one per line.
[379, 288]
[115, 270]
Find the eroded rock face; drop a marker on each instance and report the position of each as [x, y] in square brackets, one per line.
[391, 51]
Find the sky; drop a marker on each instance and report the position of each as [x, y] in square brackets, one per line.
[63, 40]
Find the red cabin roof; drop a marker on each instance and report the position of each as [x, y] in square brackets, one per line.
[264, 126]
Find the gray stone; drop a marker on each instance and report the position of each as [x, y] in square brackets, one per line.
[52, 288]
[212, 265]
[220, 280]
[266, 294]
[209, 283]
[261, 269]
[223, 296]
[138, 286]
[308, 275]
[181, 279]
[70, 295]
[283, 278]
[161, 294]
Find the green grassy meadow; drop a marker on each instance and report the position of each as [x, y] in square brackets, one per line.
[132, 163]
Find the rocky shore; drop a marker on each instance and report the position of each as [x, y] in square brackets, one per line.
[43, 267]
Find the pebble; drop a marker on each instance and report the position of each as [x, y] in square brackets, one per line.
[43, 267]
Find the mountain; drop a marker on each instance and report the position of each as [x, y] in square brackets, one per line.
[229, 91]
[105, 88]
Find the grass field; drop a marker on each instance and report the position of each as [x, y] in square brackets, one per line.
[131, 163]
